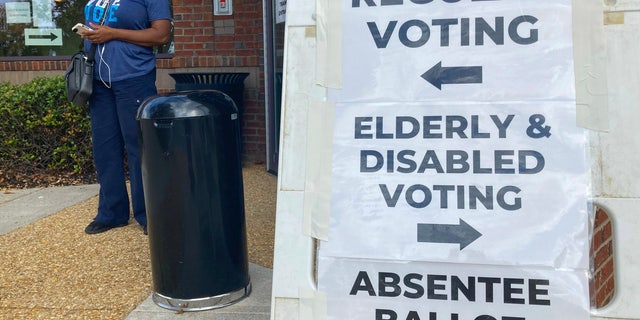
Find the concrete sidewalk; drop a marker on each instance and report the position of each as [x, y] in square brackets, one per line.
[19, 208]
[23, 206]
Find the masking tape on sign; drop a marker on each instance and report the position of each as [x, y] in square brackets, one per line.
[590, 60]
[313, 304]
[317, 191]
[329, 43]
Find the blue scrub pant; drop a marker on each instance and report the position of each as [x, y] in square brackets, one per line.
[115, 132]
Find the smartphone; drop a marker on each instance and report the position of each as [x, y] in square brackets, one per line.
[79, 28]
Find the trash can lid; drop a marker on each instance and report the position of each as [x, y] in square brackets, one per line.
[188, 104]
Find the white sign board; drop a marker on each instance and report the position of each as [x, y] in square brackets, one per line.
[456, 154]
[281, 11]
[472, 50]
[43, 13]
[18, 12]
[428, 291]
[42, 37]
[493, 183]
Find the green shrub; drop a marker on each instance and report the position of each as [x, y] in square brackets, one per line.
[40, 131]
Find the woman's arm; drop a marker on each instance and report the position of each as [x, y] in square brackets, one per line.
[158, 34]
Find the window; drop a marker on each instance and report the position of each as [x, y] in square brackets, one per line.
[42, 28]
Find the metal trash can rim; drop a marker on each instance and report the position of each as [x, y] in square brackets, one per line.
[179, 105]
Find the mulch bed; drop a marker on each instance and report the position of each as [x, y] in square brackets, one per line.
[40, 178]
[51, 269]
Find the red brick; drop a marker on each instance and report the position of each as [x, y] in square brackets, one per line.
[607, 268]
[607, 230]
[601, 217]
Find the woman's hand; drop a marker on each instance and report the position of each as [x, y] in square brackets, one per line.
[99, 34]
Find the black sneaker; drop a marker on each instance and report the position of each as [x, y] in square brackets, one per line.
[99, 227]
[144, 230]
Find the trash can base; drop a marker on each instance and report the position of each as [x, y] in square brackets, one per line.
[201, 304]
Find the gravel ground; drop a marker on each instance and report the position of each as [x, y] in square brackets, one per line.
[51, 269]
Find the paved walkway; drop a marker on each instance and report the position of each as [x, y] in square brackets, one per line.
[19, 208]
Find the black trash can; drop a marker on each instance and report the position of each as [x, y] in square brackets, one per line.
[194, 198]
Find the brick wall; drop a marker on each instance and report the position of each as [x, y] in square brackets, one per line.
[203, 43]
[602, 255]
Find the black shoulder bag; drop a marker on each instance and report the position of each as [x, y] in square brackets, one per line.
[79, 75]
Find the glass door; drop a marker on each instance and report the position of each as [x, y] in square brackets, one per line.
[274, 27]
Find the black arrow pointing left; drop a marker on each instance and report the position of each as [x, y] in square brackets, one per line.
[462, 233]
[50, 36]
[439, 75]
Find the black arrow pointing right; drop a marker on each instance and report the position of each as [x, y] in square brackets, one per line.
[40, 36]
[461, 233]
[439, 75]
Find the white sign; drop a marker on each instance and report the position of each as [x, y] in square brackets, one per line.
[437, 291]
[460, 179]
[493, 183]
[281, 11]
[474, 50]
[43, 37]
[42, 13]
[18, 12]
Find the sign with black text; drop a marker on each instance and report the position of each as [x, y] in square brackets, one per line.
[428, 291]
[460, 181]
[403, 50]
[493, 183]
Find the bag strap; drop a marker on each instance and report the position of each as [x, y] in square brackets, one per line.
[92, 50]
[92, 53]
